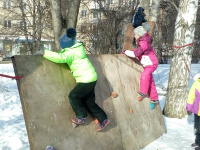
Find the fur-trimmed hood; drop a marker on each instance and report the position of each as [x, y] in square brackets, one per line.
[197, 76]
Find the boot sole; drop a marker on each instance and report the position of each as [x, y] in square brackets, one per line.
[77, 122]
[140, 98]
[104, 126]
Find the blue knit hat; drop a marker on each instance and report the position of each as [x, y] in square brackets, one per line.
[69, 39]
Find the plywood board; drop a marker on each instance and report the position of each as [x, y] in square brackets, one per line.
[44, 93]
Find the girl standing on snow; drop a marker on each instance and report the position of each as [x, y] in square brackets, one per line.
[192, 106]
[148, 59]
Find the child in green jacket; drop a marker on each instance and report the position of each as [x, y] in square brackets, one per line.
[82, 97]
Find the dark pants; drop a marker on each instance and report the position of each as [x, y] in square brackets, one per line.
[82, 99]
[197, 128]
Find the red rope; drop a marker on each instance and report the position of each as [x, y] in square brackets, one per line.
[7, 76]
[179, 47]
[183, 45]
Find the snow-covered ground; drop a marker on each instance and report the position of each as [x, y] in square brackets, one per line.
[13, 136]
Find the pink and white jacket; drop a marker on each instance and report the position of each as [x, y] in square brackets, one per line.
[144, 51]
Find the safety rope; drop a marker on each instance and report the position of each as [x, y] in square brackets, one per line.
[12, 77]
[179, 48]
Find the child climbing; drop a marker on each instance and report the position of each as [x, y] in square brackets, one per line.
[82, 97]
[193, 107]
[148, 59]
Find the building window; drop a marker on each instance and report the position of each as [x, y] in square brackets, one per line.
[83, 13]
[121, 2]
[99, 15]
[22, 25]
[84, 1]
[130, 3]
[7, 5]
[26, 5]
[7, 23]
[110, 1]
[95, 15]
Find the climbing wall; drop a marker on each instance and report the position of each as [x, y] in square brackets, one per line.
[44, 93]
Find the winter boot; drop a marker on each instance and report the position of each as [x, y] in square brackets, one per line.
[103, 125]
[78, 120]
[154, 101]
[194, 145]
[197, 148]
[140, 96]
[49, 147]
[152, 104]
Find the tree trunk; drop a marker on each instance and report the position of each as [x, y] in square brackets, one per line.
[145, 4]
[72, 14]
[177, 91]
[34, 28]
[25, 25]
[39, 25]
[159, 37]
[57, 21]
[154, 10]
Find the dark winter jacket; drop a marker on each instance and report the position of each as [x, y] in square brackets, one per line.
[139, 17]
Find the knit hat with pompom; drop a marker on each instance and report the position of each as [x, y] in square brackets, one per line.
[69, 39]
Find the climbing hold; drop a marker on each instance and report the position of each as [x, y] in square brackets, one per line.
[113, 94]
[96, 121]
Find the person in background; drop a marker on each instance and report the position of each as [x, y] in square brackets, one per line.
[192, 106]
[148, 59]
[138, 20]
[82, 97]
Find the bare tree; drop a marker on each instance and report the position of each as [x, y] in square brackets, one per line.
[105, 33]
[146, 5]
[29, 19]
[164, 29]
[59, 14]
[179, 75]
[57, 21]
[72, 14]
[154, 10]
[25, 30]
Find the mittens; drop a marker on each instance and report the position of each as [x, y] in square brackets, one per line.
[41, 52]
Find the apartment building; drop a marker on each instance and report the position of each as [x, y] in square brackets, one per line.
[94, 12]
[15, 19]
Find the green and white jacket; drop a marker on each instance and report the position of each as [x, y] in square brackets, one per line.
[81, 68]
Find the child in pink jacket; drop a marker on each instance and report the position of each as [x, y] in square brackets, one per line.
[148, 59]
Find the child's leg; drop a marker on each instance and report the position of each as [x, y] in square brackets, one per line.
[76, 98]
[197, 128]
[152, 90]
[145, 80]
[93, 108]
